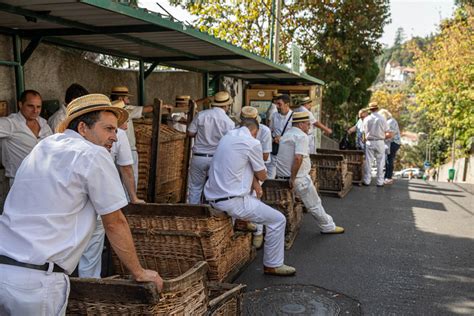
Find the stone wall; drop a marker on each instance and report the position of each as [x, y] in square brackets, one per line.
[464, 170]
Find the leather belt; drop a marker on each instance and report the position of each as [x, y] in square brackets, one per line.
[202, 155]
[283, 178]
[222, 199]
[375, 139]
[45, 267]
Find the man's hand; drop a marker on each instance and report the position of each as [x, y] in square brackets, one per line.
[292, 182]
[328, 131]
[150, 276]
[277, 139]
[137, 201]
[257, 188]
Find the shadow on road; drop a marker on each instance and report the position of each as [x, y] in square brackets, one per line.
[397, 257]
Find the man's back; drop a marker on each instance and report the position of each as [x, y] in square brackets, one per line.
[294, 142]
[233, 165]
[209, 126]
[375, 127]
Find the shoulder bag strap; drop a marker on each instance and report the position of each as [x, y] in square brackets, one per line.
[288, 121]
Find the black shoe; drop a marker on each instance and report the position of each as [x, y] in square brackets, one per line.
[379, 185]
[365, 185]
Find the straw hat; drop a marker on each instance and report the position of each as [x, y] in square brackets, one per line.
[120, 90]
[249, 112]
[222, 98]
[304, 101]
[91, 103]
[182, 100]
[299, 117]
[373, 106]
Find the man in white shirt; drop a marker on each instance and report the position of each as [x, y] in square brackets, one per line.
[304, 105]
[90, 264]
[294, 165]
[279, 124]
[264, 136]
[207, 128]
[74, 91]
[376, 131]
[235, 172]
[20, 132]
[180, 119]
[69, 178]
[135, 112]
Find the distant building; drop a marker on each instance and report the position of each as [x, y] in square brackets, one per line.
[395, 72]
[409, 138]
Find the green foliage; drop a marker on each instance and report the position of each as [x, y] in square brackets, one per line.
[338, 40]
[444, 81]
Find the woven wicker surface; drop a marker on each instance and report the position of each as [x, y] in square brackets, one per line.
[170, 170]
[332, 170]
[278, 195]
[186, 294]
[172, 244]
[225, 299]
[355, 161]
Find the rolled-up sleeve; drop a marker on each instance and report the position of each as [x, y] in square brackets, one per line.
[301, 145]
[256, 158]
[194, 124]
[104, 187]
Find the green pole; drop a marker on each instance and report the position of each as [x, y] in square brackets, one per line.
[205, 85]
[19, 74]
[272, 30]
[141, 83]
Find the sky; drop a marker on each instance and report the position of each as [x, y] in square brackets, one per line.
[416, 17]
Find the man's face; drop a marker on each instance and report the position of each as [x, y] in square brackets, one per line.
[103, 132]
[125, 99]
[282, 107]
[31, 108]
[304, 126]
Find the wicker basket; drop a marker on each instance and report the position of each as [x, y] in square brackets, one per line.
[173, 237]
[354, 159]
[331, 171]
[225, 299]
[186, 294]
[170, 165]
[277, 194]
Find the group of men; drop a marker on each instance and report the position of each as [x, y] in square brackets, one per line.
[378, 134]
[230, 162]
[66, 181]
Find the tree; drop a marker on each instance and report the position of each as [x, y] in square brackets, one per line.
[338, 40]
[444, 82]
[399, 37]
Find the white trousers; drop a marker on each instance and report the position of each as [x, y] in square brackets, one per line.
[26, 292]
[271, 167]
[251, 209]
[197, 177]
[90, 264]
[305, 189]
[374, 149]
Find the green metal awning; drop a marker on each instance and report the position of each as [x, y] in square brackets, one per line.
[111, 28]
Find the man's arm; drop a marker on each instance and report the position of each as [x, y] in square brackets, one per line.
[323, 127]
[120, 238]
[128, 180]
[297, 161]
[265, 156]
[261, 175]
[257, 187]
[352, 129]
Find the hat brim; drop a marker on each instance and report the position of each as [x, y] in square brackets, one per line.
[122, 116]
[239, 119]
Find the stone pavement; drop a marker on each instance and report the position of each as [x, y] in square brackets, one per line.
[408, 250]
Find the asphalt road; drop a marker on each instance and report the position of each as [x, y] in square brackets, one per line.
[408, 250]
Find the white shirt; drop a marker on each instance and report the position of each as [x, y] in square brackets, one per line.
[278, 122]
[134, 112]
[18, 140]
[271, 110]
[121, 151]
[236, 159]
[57, 117]
[393, 126]
[50, 211]
[375, 127]
[264, 135]
[210, 126]
[293, 142]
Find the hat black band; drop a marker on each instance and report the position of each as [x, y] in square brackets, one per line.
[89, 107]
[217, 102]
